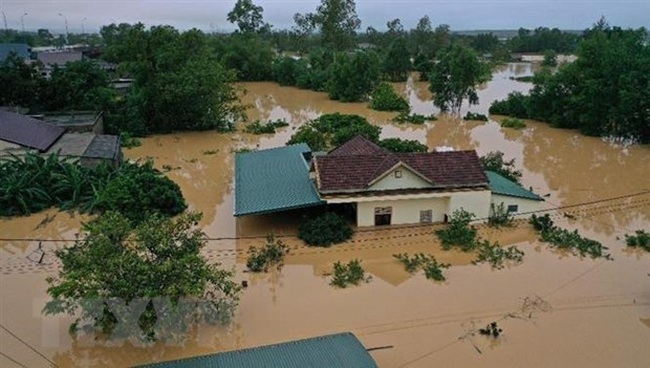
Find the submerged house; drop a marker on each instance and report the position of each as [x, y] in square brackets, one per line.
[382, 187]
[20, 134]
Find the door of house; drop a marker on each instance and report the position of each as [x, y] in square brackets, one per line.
[383, 215]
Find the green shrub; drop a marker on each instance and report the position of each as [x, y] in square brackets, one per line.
[331, 130]
[499, 216]
[641, 240]
[129, 141]
[458, 233]
[475, 116]
[348, 274]
[516, 105]
[325, 230]
[567, 240]
[270, 254]
[384, 98]
[496, 255]
[513, 123]
[493, 161]
[257, 127]
[402, 145]
[420, 261]
[406, 118]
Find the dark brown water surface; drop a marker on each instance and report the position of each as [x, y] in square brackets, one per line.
[556, 310]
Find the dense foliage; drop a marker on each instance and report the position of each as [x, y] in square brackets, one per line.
[413, 118]
[33, 183]
[402, 145]
[331, 130]
[257, 127]
[567, 240]
[353, 77]
[270, 254]
[475, 116]
[148, 282]
[455, 78]
[336, 21]
[603, 93]
[493, 161]
[179, 85]
[325, 230]
[385, 98]
[514, 123]
[397, 61]
[348, 274]
[542, 39]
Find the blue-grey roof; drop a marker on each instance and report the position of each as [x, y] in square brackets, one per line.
[273, 180]
[103, 146]
[21, 49]
[338, 350]
[503, 186]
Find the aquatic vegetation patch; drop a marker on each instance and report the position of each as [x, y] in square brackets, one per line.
[475, 116]
[384, 98]
[257, 127]
[496, 255]
[348, 274]
[129, 141]
[433, 269]
[459, 233]
[640, 239]
[514, 123]
[567, 240]
[406, 118]
[270, 254]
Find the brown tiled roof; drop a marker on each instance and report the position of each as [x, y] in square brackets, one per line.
[355, 172]
[28, 132]
[359, 145]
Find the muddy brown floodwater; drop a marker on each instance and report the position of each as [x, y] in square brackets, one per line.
[555, 310]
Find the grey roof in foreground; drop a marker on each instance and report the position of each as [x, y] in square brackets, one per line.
[27, 131]
[103, 146]
[503, 186]
[338, 350]
[273, 180]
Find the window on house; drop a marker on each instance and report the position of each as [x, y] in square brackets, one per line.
[383, 215]
[426, 216]
[398, 174]
[513, 208]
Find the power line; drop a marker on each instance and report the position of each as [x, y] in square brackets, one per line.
[13, 360]
[28, 345]
[376, 230]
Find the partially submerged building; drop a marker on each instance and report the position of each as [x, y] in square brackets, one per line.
[337, 350]
[20, 134]
[382, 187]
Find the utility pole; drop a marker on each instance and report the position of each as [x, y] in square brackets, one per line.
[83, 26]
[22, 22]
[4, 16]
[66, 27]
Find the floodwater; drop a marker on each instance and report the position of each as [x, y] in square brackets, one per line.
[556, 310]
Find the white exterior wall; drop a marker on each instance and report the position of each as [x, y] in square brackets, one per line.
[525, 205]
[477, 203]
[405, 211]
[409, 180]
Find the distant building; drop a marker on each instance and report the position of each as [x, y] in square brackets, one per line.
[20, 134]
[53, 59]
[22, 50]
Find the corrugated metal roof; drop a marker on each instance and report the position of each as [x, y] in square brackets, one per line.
[503, 186]
[338, 350]
[21, 49]
[59, 58]
[28, 132]
[273, 180]
[103, 146]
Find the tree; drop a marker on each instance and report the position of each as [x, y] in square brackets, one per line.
[247, 16]
[550, 58]
[423, 35]
[455, 78]
[353, 77]
[397, 62]
[179, 85]
[149, 282]
[337, 21]
[80, 85]
[384, 98]
[494, 161]
[21, 82]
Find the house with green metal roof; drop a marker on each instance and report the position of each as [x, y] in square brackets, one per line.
[382, 187]
[274, 180]
[338, 350]
[515, 198]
